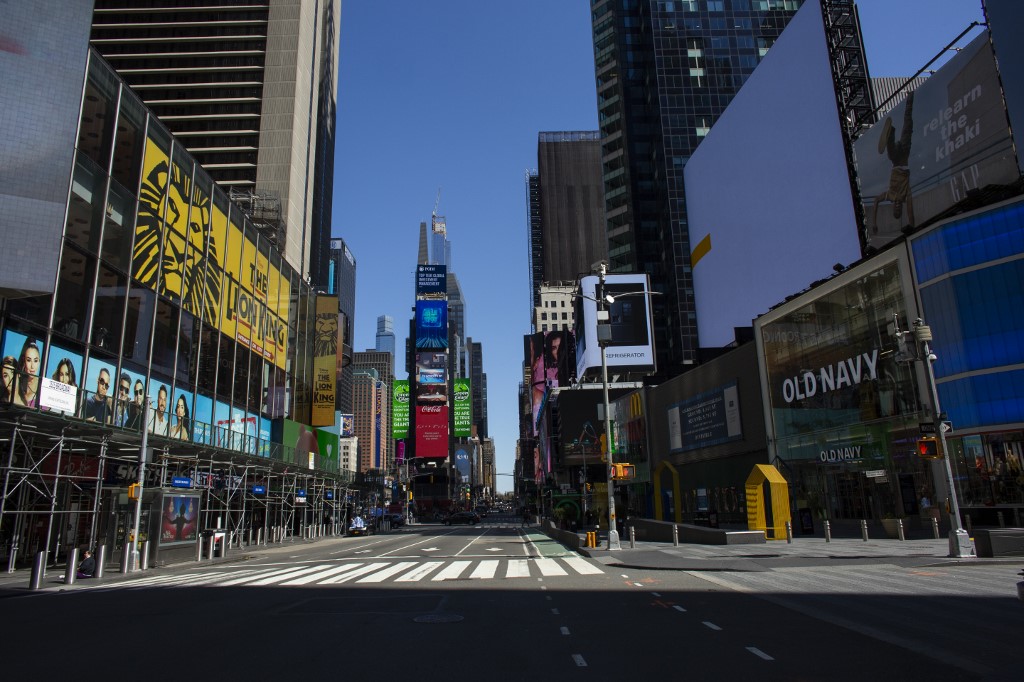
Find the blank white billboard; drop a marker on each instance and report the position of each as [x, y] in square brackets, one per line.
[631, 348]
[768, 195]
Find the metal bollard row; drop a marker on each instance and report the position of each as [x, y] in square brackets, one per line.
[789, 532]
[864, 529]
[69, 571]
[828, 531]
[935, 527]
[899, 527]
[675, 535]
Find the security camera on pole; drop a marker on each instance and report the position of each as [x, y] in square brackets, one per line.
[959, 541]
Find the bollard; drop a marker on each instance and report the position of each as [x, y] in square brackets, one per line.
[935, 527]
[967, 524]
[69, 571]
[125, 549]
[828, 531]
[789, 532]
[632, 537]
[259, 536]
[675, 535]
[101, 559]
[13, 558]
[249, 544]
[199, 550]
[899, 527]
[211, 544]
[145, 556]
[38, 571]
[1002, 520]
[864, 529]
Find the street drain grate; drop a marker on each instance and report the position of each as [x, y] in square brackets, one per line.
[438, 618]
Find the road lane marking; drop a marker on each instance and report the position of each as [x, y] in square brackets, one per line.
[679, 608]
[580, 663]
[419, 573]
[381, 576]
[354, 573]
[760, 654]
[518, 568]
[582, 566]
[554, 612]
[655, 594]
[564, 630]
[549, 567]
[484, 570]
[285, 576]
[264, 574]
[711, 625]
[305, 580]
[451, 571]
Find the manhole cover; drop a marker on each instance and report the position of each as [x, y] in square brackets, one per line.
[438, 618]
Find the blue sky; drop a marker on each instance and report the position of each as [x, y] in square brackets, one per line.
[450, 95]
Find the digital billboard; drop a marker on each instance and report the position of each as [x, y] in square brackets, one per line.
[431, 324]
[463, 408]
[944, 143]
[186, 249]
[431, 279]
[551, 357]
[706, 419]
[431, 431]
[631, 347]
[325, 355]
[400, 409]
[784, 215]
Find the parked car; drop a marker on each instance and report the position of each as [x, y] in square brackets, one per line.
[467, 517]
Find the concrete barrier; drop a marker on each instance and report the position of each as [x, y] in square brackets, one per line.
[997, 542]
[650, 530]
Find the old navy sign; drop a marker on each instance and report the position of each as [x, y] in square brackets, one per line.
[834, 455]
[845, 373]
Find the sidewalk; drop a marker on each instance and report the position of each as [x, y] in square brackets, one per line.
[17, 583]
[805, 551]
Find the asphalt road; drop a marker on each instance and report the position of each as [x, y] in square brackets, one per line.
[491, 602]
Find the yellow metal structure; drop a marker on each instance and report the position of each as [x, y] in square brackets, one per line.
[778, 494]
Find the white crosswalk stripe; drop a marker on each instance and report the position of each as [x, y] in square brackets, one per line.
[369, 573]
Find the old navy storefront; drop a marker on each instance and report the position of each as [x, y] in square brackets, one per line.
[841, 394]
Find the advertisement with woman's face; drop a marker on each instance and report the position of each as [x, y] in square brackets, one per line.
[22, 358]
[63, 367]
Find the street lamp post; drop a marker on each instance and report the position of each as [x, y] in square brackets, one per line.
[959, 540]
[603, 336]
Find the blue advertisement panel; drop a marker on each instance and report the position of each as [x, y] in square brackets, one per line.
[22, 362]
[431, 279]
[98, 406]
[708, 418]
[181, 418]
[159, 421]
[431, 324]
[62, 367]
[264, 430]
[202, 424]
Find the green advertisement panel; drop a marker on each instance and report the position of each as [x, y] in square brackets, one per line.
[400, 410]
[463, 409]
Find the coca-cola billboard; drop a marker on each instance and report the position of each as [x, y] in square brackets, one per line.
[431, 430]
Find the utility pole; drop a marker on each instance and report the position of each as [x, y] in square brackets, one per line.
[604, 333]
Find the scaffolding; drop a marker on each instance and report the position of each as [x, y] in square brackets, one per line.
[264, 211]
[65, 486]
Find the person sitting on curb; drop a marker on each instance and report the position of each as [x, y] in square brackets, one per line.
[87, 568]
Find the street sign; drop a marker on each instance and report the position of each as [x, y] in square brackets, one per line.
[181, 482]
[927, 427]
[947, 427]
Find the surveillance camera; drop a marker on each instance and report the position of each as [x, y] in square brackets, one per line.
[932, 357]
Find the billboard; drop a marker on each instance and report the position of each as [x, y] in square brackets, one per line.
[432, 431]
[62, 367]
[400, 409]
[325, 354]
[186, 249]
[179, 522]
[22, 362]
[1004, 19]
[551, 357]
[431, 279]
[785, 215]
[432, 378]
[431, 324]
[347, 426]
[945, 143]
[706, 419]
[463, 409]
[631, 348]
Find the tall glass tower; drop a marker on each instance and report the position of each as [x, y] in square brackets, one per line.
[385, 334]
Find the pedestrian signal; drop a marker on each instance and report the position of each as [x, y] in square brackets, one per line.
[928, 448]
[133, 491]
[623, 472]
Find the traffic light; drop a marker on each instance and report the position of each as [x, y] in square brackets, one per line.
[623, 472]
[928, 448]
[133, 491]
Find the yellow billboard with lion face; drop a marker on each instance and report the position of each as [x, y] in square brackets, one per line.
[186, 249]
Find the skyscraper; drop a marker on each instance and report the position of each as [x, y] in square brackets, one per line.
[342, 276]
[567, 233]
[251, 89]
[382, 365]
[664, 72]
[386, 334]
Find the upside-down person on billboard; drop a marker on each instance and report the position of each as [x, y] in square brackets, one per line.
[550, 369]
[898, 191]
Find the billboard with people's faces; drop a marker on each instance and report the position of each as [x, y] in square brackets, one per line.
[60, 382]
[22, 363]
